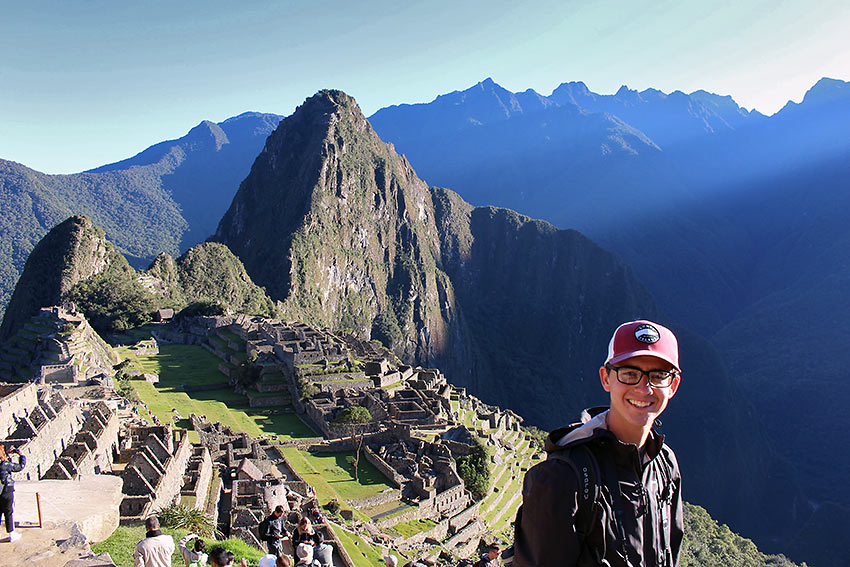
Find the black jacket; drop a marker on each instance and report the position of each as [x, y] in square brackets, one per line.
[298, 537]
[273, 528]
[7, 483]
[651, 503]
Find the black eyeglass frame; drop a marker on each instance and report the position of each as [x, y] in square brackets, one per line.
[670, 375]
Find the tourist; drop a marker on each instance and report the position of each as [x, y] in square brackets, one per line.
[272, 532]
[220, 557]
[491, 558]
[564, 519]
[7, 487]
[279, 560]
[390, 560]
[156, 549]
[304, 552]
[305, 533]
[196, 556]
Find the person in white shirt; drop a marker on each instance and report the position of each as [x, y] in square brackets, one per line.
[156, 549]
[195, 557]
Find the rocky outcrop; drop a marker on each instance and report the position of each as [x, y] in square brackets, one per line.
[72, 251]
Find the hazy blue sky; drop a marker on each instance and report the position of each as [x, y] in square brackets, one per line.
[83, 84]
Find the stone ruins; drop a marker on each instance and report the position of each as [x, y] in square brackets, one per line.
[413, 438]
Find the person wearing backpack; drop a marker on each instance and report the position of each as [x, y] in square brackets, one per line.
[7, 488]
[271, 531]
[609, 492]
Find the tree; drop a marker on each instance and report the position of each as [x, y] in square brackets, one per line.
[353, 420]
[474, 469]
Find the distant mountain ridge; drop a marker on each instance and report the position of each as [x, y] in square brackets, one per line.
[165, 199]
[737, 226]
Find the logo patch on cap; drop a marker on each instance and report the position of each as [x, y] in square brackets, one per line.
[647, 334]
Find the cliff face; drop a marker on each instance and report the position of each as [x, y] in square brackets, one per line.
[72, 251]
[336, 225]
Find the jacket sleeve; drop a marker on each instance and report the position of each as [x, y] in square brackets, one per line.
[184, 551]
[19, 466]
[138, 560]
[545, 532]
[677, 530]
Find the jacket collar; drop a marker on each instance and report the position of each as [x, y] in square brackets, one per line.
[593, 425]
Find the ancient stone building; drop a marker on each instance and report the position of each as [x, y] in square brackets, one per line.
[196, 479]
[93, 448]
[60, 439]
[57, 345]
[153, 477]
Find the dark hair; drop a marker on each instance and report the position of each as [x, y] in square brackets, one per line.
[495, 546]
[283, 560]
[220, 557]
[279, 509]
[152, 523]
[199, 544]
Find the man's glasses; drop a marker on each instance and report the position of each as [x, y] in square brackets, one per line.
[630, 376]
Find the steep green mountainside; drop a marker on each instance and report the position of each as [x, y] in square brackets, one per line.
[166, 199]
[337, 226]
[72, 252]
[709, 544]
[209, 272]
[75, 262]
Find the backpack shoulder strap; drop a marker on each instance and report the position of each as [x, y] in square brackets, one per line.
[586, 468]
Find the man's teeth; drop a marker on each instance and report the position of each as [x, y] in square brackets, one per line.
[640, 404]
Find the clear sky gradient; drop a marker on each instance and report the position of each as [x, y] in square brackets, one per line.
[83, 84]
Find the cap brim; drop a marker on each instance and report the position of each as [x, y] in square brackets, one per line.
[627, 355]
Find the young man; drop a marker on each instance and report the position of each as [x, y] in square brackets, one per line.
[609, 493]
[273, 532]
[156, 549]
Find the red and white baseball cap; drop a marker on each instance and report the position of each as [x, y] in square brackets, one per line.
[643, 338]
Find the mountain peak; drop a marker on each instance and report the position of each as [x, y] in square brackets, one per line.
[207, 132]
[73, 250]
[827, 90]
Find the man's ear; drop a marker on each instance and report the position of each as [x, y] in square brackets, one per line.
[675, 385]
[603, 377]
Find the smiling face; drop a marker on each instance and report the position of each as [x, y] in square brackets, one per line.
[635, 408]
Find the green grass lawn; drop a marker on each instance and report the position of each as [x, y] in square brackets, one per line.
[361, 553]
[408, 529]
[191, 365]
[122, 543]
[338, 470]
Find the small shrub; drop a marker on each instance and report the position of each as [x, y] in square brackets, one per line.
[333, 507]
[179, 516]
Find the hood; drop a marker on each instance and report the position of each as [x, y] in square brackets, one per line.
[592, 425]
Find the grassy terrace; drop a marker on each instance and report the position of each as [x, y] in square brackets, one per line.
[123, 540]
[331, 475]
[190, 365]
